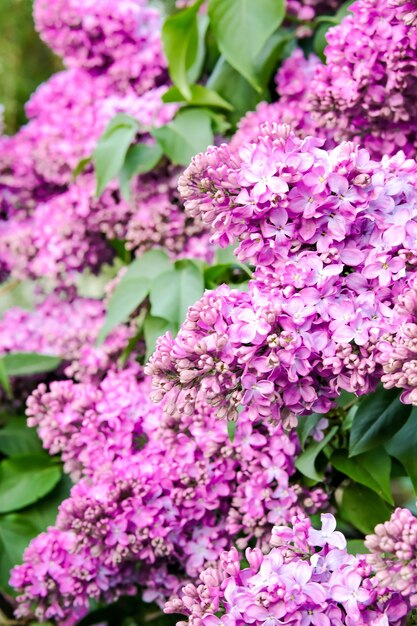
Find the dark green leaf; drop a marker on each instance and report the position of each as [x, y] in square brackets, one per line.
[4, 378]
[356, 546]
[110, 152]
[242, 28]
[80, 167]
[233, 88]
[278, 46]
[174, 291]
[320, 41]
[29, 363]
[140, 159]
[17, 438]
[362, 508]
[325, 22]
[200, 96]
[194, 72]
[189, 133]
[372, 469]
[15, 534]
[379, 417]
[133, 288]
[306, 462]
[403, 446]
[153, 328]
[306, 423]
[25, 479]
[180, 39]
[43, 513]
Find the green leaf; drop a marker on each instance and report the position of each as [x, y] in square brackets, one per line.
[325, 22]
[372, 469]
[189, 133]
[306, 423]
[356, 546]
[234, 88]
[153, 328]
[29, 363]
[15, 534]
[140, 159]
[231, 430]
[306, 462]
[242, 28]
[194, 72]
[4, 378]
[80, 167]
[110, 152]
[278, 46]
[180, 38]
[200, 96]
[44, 513]
[174, 291]
[320, 41]
[362, 508]
[150, 265]
[403, 446]
[225, 256]
[17, 438]
[379, 417]
[26, 479]
[133, 288]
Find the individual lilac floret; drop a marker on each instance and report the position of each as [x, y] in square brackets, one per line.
[122, 39]
[368, 86]
[407, 10]
[393, 555]
[295, 583]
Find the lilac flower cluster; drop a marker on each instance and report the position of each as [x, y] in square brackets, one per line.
[398, 351]
[332, 234]
[52, 225]
[367, 88]
[168, 494]
[393, 555]
[62, 228]
[121, 40]
[307, 578]
[90, 425]
[67, 328]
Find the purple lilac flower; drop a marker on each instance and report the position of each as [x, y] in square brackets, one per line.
[393, 555]
[324, 229]
[368, 85]
[153, 490]
[397, 351]
[293, 583]
[122, 40]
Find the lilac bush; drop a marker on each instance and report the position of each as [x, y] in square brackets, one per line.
[218, 183]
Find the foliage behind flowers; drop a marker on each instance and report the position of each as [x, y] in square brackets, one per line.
[194, 181]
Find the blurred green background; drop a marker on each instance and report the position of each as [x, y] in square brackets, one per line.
[25, 61]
